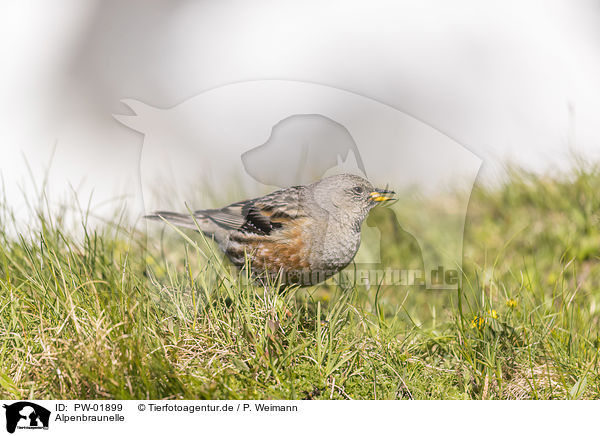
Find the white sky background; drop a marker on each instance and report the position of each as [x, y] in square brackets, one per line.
[498, 77]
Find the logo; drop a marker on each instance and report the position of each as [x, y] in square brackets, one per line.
[26, 415]
[250, 138]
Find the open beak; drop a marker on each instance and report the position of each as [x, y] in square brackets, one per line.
[382, 195]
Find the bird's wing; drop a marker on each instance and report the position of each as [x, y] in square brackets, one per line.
[259, 216]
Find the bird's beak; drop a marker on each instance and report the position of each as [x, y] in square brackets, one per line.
[382, 195]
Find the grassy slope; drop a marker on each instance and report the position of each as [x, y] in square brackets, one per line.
[86, 320]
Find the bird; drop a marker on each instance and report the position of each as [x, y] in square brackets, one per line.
[300, 235]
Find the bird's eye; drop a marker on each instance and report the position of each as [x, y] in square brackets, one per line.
[358, 190]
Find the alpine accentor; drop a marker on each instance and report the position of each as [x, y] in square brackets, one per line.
[301, 235]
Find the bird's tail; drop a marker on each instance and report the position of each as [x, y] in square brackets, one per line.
[179, 219]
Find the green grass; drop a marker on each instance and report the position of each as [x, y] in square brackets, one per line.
[102, 316]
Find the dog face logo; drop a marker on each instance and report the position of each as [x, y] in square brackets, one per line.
[26, 415]
[301, 150]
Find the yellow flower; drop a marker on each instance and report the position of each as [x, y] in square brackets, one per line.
[511, 302]
[493, 313]
[478, 323]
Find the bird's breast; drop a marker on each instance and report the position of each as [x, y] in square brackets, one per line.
[335, 249]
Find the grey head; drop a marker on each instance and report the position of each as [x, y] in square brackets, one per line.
[348, 198]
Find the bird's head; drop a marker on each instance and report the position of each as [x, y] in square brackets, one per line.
[346, 196]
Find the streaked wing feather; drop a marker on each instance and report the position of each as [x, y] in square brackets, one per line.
[229, 217]
[259, 216]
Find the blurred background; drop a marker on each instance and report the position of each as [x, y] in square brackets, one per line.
[510, 81]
